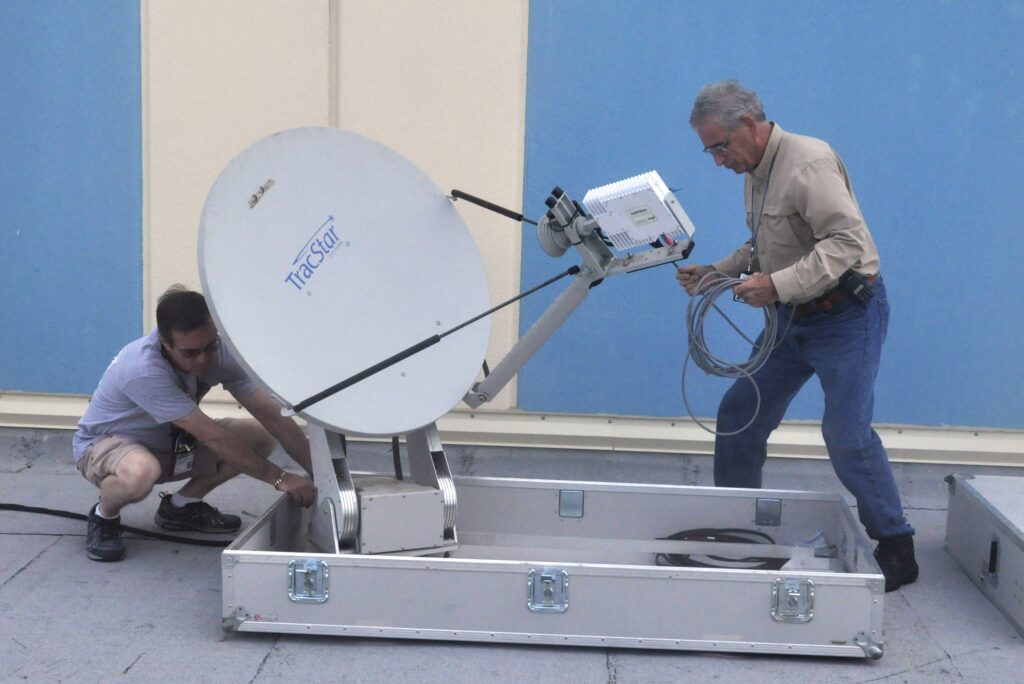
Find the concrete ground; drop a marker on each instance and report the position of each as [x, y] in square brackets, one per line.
[156, 616]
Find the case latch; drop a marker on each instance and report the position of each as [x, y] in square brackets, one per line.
[792, 600]
[547, 591]
[307, 581]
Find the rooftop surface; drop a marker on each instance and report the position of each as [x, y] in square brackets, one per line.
[157, 614]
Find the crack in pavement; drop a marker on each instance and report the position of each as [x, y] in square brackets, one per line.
[613, 675]
[125, 670]
[30, 562]
[263, 662]
[924, 623]
[915, 668]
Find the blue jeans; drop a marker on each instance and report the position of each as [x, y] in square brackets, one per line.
[843, 348]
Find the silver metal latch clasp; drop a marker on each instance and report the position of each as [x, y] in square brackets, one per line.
[792, 600]
[307, 581]
[547, 591]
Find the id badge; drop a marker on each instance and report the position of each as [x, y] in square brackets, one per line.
[184, 451]
[183, 463]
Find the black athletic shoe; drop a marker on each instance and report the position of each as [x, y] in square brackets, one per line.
[103, 538]
[198, 517]
[895, 555]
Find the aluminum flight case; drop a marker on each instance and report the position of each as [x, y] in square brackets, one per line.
[577, 563]
[985, 535]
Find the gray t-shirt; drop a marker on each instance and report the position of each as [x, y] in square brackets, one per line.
[141, 393]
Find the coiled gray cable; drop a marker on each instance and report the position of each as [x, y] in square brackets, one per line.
[709, 289]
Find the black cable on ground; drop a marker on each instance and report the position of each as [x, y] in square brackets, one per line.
[731, 535]
[124, 528]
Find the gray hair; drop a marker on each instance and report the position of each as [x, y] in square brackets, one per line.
[725, 102]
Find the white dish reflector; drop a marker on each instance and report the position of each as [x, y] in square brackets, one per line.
[322, 253]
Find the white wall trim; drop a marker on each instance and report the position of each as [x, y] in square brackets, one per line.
[905, 443]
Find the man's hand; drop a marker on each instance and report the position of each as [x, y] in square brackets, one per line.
[758, 290]
[690, 276]
[300, 489]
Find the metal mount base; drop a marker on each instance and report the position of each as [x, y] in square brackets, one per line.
[382, 514]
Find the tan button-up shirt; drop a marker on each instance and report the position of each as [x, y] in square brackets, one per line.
[811, 230]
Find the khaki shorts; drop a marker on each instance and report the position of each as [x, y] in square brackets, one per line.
[103, 456]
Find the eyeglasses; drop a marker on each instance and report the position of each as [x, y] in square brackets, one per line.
[717, 149]
[194, 353]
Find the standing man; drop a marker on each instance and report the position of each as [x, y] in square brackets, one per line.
[144, 426]
[810, 254]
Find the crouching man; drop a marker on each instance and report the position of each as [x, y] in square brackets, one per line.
[144, 426]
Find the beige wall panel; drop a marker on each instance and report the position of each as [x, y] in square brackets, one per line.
[444, 84]
[217, 76]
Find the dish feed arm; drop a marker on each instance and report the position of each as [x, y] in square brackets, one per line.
[562, 227]
[535, 337]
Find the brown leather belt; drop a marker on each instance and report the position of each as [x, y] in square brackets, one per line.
[825, 302]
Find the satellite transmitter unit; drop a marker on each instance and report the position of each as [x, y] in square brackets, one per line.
[347, 284]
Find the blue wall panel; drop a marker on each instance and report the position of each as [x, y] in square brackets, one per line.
[922, 99]
[70, 190]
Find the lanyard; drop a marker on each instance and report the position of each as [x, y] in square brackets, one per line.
[760, 213]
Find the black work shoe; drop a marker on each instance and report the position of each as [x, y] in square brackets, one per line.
[895, 556]
[103, 538]
[198, 517]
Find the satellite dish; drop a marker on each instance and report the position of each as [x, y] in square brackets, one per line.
[322, 253]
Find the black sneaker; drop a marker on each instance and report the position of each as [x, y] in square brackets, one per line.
[198, 517]
[103, 538]
[895, 556]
